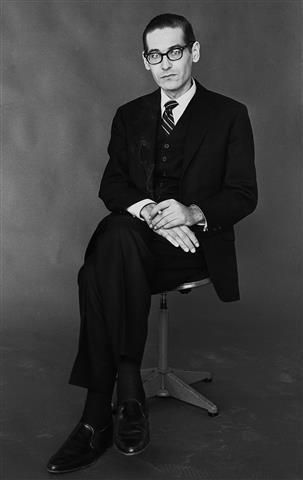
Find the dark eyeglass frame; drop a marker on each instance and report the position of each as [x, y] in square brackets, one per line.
[181, 48]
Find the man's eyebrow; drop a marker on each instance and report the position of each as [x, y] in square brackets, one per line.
[157, 50]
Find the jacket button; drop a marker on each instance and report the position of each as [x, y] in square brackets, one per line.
[164, 158]
[166, 145]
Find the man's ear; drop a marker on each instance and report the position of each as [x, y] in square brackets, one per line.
[196, 52]
[146, 64]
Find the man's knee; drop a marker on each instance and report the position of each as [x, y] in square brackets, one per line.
[117, 223]
[122, 228]
[116, 231]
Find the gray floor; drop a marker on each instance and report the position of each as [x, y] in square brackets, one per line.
[258, 434]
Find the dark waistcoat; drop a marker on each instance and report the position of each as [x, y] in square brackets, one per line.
[169, 159]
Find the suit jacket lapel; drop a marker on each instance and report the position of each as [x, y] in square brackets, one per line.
[200, 116]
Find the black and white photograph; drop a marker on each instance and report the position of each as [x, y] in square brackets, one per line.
[151, 240]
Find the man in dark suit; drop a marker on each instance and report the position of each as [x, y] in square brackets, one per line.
[180, 175]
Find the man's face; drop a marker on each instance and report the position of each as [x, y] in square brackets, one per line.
[174, 77]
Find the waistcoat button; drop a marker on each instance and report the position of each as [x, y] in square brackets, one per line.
[166, 145]
[164, 158]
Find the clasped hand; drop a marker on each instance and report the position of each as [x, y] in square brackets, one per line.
[171, 213]
[172, 223]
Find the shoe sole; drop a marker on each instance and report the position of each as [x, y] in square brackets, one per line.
[53, 472]
[59, 472]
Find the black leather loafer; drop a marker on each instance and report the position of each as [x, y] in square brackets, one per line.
[81, 449]
[131, 431]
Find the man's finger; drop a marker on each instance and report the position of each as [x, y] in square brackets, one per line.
[191, 235]
[164, 220]
[172, 240]
[159, 207]
[172, 223]
[186, 239]
[193, 238]
[175, 238]
[167, 215]
[160, 219]
[169, 237]
[178, 236]
[183, 239]
[185, 244]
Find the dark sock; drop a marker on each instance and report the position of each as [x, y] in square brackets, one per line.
[97, 410]
[129, 383]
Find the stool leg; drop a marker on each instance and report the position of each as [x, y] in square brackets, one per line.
[154, 378]
[163, 332]
[162, 342]
[180, 390]
[152, 384]
[192, 376]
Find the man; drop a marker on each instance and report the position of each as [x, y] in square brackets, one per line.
[180, 175]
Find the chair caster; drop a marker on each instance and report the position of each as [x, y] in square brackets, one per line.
[213, 414]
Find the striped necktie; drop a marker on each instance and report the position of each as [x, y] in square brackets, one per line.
[167, 122]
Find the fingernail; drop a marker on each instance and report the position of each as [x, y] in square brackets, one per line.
[185, 249]
[193, 250]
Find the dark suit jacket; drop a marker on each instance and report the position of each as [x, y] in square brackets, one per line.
[218, 172]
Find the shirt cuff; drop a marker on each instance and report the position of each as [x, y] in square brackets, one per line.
[136, 208]
[203, 222]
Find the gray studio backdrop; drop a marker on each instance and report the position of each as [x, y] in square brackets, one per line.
[66, 66]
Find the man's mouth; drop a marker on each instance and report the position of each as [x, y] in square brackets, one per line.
[168, 75]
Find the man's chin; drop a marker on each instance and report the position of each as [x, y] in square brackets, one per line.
[169, 83]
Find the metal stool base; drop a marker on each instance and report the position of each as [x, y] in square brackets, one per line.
[166, 382]
[174, 383]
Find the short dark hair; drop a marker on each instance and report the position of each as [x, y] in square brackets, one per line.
[170, 20]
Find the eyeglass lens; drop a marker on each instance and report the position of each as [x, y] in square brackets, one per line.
[157, 57]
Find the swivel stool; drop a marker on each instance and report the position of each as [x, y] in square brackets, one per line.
[164, 381]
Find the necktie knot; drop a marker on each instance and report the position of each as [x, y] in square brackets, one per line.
[169, 106]
[168, 118]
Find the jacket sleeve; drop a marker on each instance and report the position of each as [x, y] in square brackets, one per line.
[117, 190]
[238, 195]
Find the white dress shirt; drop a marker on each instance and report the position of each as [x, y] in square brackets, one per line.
[183, 101]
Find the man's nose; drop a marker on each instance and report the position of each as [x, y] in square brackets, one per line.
[165, 64]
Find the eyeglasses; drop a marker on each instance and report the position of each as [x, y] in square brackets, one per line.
[173, 54]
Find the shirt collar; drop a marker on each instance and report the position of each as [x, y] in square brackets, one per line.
[183, 101]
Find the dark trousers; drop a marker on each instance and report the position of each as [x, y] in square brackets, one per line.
[125, 263]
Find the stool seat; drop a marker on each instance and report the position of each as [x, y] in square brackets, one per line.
[188, 286]
[163, 381]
